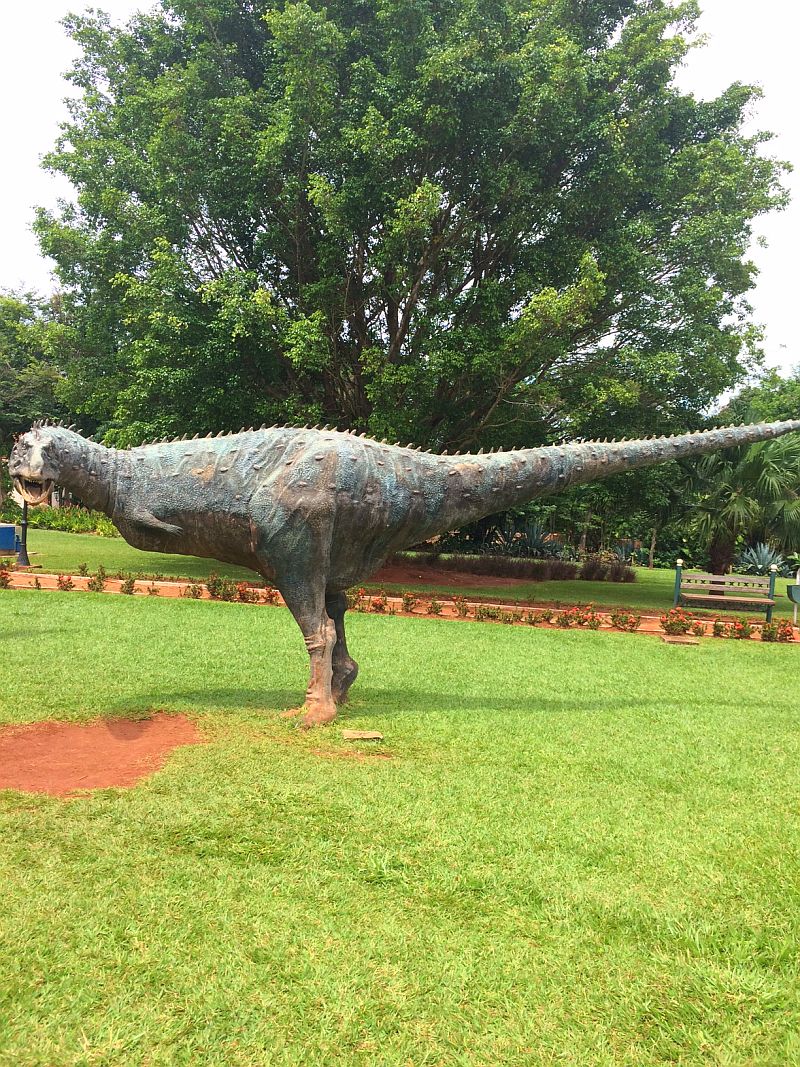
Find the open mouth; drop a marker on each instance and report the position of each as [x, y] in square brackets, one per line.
[34, 490]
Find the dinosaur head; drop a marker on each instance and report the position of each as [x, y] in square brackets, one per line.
[34, 464]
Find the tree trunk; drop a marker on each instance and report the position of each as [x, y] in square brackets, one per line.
[721, 552]
[651, 556]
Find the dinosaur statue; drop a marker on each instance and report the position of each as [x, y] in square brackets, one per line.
[316, 511]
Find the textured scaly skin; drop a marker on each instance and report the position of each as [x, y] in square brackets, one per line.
[316, 511]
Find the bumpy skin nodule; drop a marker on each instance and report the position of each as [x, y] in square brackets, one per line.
[317, 511]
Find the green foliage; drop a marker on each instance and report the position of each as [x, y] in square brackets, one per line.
[760, 559]
[772, 397]
[459, 224]
[30, 336]
[782, 631]
[72, 520]
[222, 588]
[97, 582]
[751, 493]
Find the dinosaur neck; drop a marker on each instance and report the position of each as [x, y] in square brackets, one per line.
[87, 469]
[501, 480]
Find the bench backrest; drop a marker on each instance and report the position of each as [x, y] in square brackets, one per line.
[752, 584]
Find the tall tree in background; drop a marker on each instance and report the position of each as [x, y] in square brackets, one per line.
[29, 375]
[462, 223]
[748, 493]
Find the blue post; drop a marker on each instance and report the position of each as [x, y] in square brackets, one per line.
[22, 557]
[678, 572]
[773, 571]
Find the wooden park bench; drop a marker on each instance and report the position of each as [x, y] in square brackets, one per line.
[750, 591]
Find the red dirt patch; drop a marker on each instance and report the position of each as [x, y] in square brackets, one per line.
[409, 573]
[60, 758]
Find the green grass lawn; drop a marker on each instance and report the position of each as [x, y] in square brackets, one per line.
[585, 850]
[62, 552]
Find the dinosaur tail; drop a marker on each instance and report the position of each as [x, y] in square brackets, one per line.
[500, 480]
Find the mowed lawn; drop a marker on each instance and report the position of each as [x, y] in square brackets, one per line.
[584, 849]
[652, 591]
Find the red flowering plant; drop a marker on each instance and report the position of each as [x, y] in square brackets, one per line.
[246, 593]
[740, 629]
[777, 631]
[626, 620]
[379, 602]
[409, 602]
[676, 621]
[460, 606]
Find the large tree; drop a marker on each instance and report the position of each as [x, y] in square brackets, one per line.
[30, 377]
[456, 221]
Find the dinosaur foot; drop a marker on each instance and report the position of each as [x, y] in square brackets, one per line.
[340, 685]
[317, 714]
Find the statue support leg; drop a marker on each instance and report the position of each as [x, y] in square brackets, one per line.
[345, 668]
[319, 632]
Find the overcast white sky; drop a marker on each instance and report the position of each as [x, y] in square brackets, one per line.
[748, 41]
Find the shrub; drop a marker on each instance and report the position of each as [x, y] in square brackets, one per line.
[220, 588]
[434, 607]
[5, 577]
[270, 595]
[72, 520]
[565, 619]
[740, 629]
[698, 629]
[718, 628]
[587, 616]
[83, 570]
[379, 603]
[769, 631]
[506, 616]
[760, 558]
[152, 589]
[246, 593]
[192, 591]
[409, 602]
[355, 598]
[36, 583]
[486, 611]
[544, 615]
[621, 572]
[460, 606]
[785, 630]
[128, 585]
[65, 583]
[97, 582]
[626, 620]
[676, 621]
[593, 570]
[535, 570]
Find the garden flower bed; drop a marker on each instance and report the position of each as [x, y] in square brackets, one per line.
[673, 622]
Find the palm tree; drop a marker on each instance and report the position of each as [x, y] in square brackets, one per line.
[751, 492]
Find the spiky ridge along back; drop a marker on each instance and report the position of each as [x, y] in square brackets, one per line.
[733, 435]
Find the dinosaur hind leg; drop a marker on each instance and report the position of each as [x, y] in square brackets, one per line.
[345, 668]
[307, 605]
